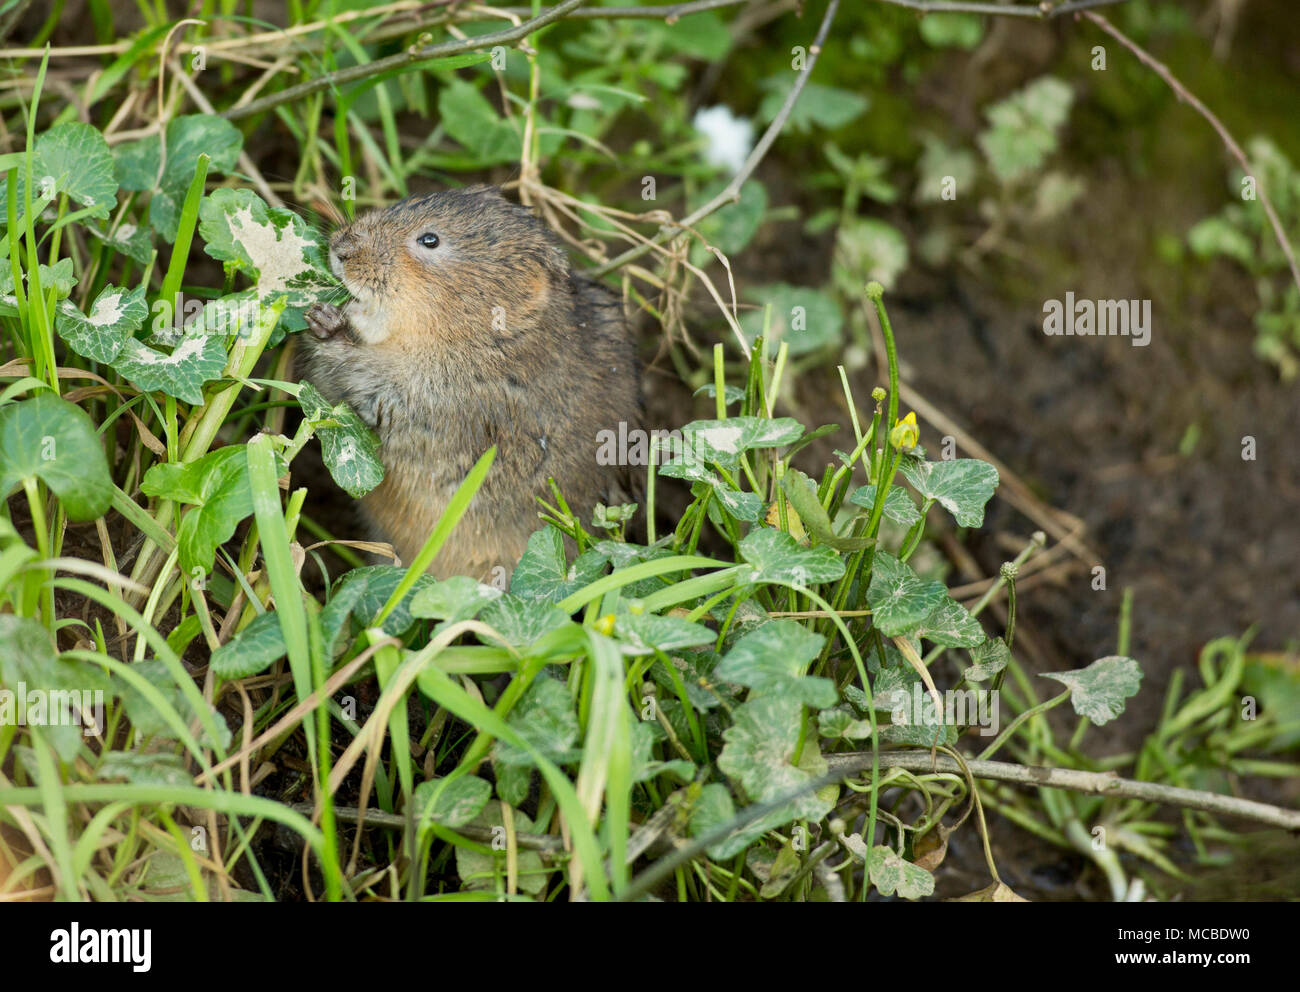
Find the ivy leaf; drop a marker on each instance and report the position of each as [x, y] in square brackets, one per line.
[1098, 691]
[1023, 128]
[695, 669]
[899, 598]
[114, 317]
[50, 439]
[349, 447]
[218, 488]
[759, 746]
[254, 649]
[543, 572]
[188, 137]
[950, 624]
[133, 242]
[76, 158]
[868, 249]
[723, 441]
[741, 505]
[889, 874]
[939, 161]
[961, 486]
[777, 557]
[195, 360]
[145, 719]
[373, 585]
[840, 723]
[730, 394]
[774, 658]
[456, 803]
[523, 622]
[545, 718]
[453, 600]
[898, 504]
[648, 632]
[806, 319]
[342, 603]
[714, 809]
[987, 660]
[144, 768]
[478, 871]
[271, 245]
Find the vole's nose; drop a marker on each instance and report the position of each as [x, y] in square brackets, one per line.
[344, 245]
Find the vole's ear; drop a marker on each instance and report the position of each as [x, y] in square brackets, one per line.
[484, 189]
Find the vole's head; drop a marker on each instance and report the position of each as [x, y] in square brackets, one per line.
[448, 267]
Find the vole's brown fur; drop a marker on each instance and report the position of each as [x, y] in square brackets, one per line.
[488, 337]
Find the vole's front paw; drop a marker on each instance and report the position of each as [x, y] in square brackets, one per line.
[325, 320]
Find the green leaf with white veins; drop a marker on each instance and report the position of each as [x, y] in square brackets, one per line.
[777, 557]
[453, 600]
[987, 660]
[1023, 128]
[455, 803]
[271, 245]
[544, 573]
[480, 872]
[723, 441]
[774, 658]
[50, 439]
[1098, 691]
[644, 633]
[898, 504]
[741, 505]
[961, 486]
[899, 598]
[196, 359]
[950, 624]
[760, 744]
[350, 448]
[75, 160]
[889, 874]
[523, 622]
[101, 335]
[254, 649]
[545, 718]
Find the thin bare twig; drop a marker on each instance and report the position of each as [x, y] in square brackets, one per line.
[1182, 92]
[410, 57]
[1039, 11]
[1094, 783]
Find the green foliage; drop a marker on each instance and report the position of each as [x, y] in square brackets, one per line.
[1242, 233]
[654, 696]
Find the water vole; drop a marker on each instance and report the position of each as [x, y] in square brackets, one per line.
[467, 328]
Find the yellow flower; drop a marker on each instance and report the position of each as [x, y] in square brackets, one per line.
[905, 434]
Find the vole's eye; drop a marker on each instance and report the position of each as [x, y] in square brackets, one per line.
[428, 240]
